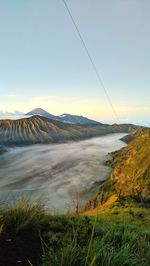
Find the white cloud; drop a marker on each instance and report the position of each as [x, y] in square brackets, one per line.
[11, 95]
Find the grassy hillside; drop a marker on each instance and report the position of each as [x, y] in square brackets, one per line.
[31, 236]
[131, 175]
[134, 134]
[38, 129]
[130, 178]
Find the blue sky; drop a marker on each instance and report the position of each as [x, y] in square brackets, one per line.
[43, 64]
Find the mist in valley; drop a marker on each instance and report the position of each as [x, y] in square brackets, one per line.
[53, 173]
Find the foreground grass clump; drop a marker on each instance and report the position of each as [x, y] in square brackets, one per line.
[31, 236]
[20, 226]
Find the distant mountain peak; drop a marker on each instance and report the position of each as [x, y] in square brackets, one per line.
[77, 119]
[65, 118]
[37, 111]
[41, 112]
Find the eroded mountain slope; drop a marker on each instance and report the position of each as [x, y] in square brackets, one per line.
[38, 129]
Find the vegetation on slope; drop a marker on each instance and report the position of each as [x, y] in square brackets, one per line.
[134, 134]
[130, 178]
[30, 236]
[131, 175]
[39, 129]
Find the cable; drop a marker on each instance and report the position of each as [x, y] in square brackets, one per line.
[92, 61]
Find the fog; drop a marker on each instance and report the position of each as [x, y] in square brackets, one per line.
[53, 173]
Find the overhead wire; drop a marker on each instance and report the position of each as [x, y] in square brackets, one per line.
[101, 83]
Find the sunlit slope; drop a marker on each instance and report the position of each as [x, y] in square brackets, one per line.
[134, 134]
[130, 178]
[128, 187]
[131, 175]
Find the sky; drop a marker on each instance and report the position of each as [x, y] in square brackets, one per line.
[43, 63]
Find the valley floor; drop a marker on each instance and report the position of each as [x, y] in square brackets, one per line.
[53, 173]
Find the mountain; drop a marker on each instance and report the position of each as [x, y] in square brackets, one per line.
[134, 134]
[76, 119]
[65, 118]
[130, 177]
[39, 129]
[41, 112]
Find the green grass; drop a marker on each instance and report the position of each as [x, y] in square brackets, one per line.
[130, 177]
[31, 236]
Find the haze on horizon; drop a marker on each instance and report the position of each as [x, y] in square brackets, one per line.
[43, 63]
